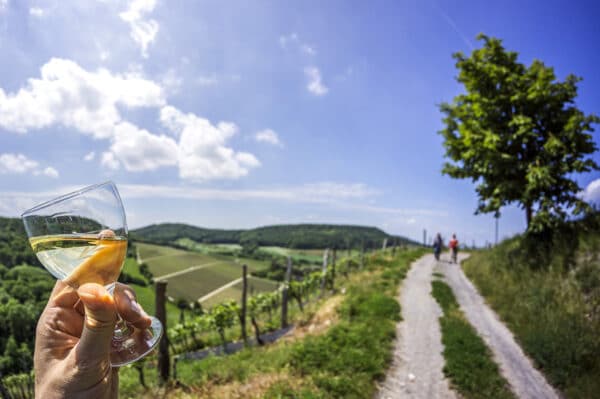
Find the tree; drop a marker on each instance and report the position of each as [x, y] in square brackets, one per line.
[518, 135]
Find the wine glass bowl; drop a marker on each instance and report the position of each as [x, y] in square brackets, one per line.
[81, 237]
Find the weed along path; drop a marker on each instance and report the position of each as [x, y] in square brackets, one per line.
[524, 379]
[416, 370]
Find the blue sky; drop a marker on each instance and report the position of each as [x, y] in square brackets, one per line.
[241, 114]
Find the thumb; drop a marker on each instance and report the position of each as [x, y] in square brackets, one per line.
[100, 320]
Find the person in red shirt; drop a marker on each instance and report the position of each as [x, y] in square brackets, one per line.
[453, 244]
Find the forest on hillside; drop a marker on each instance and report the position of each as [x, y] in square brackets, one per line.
[300, 236]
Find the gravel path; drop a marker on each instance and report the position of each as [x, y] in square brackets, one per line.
[416, 370]
[524, 379]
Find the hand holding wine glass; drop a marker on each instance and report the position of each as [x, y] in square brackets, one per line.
[73, 340]
[81, 238]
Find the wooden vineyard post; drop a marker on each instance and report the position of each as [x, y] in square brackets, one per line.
[333, 259]
[324, 272]
[244, 303]
[362, 258]
[163, 345]
[285, 294]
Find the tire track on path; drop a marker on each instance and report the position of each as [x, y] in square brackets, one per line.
[525, 380]
[416, 370]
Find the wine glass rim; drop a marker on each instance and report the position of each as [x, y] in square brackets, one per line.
[66, 197]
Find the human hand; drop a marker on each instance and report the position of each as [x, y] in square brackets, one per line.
[72, 352]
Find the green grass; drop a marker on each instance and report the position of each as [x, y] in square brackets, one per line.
[469, 363]
[551, 307]
[345, 362]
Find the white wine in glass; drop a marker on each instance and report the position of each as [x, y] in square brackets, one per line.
[81, 238]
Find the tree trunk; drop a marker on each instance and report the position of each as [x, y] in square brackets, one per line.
[139, 366]
[299, 301]
[256, 331]
[223, 341]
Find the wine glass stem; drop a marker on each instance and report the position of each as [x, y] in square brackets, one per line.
[122, 330]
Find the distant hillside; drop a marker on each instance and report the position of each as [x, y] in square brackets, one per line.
[14, 246]
[304, 236]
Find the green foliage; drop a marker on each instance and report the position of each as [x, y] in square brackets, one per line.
[14, 246]
[19, 386]
[24, 291]
[469, 363]
[518, 135]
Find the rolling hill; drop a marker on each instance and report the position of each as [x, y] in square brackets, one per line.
[301, 236]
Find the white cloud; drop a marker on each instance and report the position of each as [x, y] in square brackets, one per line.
[591, 193]
[309, 50]
[171, 81]
[50, 172]
[20, 164]
[3, 5]
[268, 136]
[138, 150]
[315, 84]
[109, 161]
[69, 95]
[285, 39]
[36, 12]
[89, 156]
[143, 31]
[293, 40]
[89, 102]
[322, 192]
[202, 153]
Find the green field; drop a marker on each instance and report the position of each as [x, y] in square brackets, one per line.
[145, 295]
[211, 269]
[255, 285]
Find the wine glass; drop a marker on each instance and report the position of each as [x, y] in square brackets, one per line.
[81, 237]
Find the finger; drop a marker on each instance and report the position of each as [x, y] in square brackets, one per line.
[63, 296]
[128, 307]
[100, 319]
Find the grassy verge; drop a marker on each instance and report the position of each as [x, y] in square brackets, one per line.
[343, 362]
[552, 306]
[469, 363]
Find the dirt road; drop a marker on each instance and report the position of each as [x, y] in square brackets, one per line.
[416, 370]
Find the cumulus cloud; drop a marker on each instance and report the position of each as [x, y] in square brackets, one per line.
[143, 31]
[109, 161]
[202, 153]
[268, 136]
[69, 95]
[89, 156]
[139, 150]
[314, 81]
[89, 102]
[20, 164]
[591, 193]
